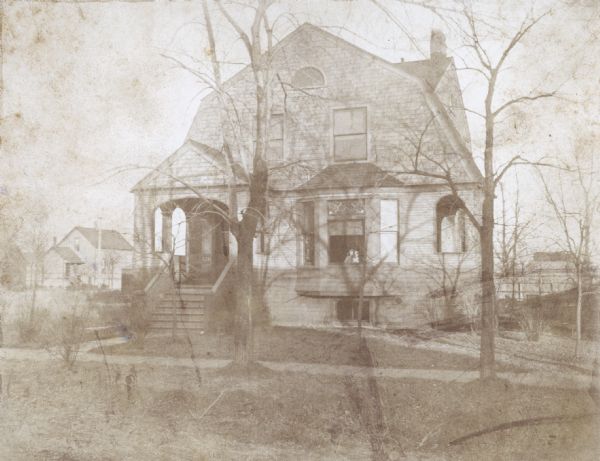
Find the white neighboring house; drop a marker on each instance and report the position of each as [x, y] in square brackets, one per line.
[88, 255]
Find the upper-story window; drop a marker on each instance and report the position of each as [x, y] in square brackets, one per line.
[350, 134]
[450, 220]
[275, 148]
[77, 244]
[308, 77]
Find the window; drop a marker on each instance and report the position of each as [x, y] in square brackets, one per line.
[308, 233]
[308, 77]
[179, 232]
[262, 234]
[346, 227]
[158, 230]
[347, 310]
[450, 219]
[350, 134]
[388, 237]
[77, 244]
[275, 148]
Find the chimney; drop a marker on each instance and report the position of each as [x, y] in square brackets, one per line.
[437, 45]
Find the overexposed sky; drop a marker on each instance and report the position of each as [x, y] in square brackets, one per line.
[88, 91]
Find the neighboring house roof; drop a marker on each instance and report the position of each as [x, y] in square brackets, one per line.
[551, 256]
[67, 254]
[351, 176]
[111, 239]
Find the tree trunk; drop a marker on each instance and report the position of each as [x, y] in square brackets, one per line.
[578, 312]
[487, 353]
[242, 324]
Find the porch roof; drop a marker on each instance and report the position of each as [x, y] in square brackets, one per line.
[67, 254]
[351, 176]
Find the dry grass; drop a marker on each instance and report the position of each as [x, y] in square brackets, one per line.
[281, 344]
[48, 413]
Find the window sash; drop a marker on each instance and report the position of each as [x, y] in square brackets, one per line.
[350, 121]
[350, 147]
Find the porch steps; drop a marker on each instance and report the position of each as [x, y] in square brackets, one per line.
[185, 306]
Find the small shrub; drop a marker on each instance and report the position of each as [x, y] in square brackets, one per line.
[138, 316]
[29, 325]
[531, 322]
[66, 334]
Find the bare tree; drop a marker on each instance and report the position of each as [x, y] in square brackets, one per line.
[487, 61]
[510, 243]
[573, 197]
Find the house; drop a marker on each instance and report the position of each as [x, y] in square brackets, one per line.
[342, 215]
[547, 272]
[88, 255]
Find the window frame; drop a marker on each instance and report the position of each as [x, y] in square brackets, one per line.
[296, 87]
[395, 232]
[308, 235]
[271, 138]
[345, 218]
[458, 206]
[335, 136]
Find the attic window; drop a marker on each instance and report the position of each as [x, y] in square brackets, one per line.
[308, 77]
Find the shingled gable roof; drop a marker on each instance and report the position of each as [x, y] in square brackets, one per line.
[67, 254]
[429, 71]
[111, 239]
[350, 176]
[210, 154]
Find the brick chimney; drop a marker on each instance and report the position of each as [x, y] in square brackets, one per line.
[437, 45]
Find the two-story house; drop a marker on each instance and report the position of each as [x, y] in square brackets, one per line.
[343, 216]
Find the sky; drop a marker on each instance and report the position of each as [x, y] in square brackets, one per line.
[88, 91]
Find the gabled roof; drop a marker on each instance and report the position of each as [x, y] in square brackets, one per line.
[430, 70]
[111, 239]
[67, 254]
[182, 166]
[351, 176]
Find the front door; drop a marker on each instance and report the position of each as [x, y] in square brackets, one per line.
[200, 263]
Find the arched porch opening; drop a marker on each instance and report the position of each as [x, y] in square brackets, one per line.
[194, 238]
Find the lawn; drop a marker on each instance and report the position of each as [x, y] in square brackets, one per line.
[282, 344]
[173, 413]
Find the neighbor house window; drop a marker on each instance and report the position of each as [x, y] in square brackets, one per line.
[77, 244]
[179, 232]
[308, 77]
[158, 230]
[347, 310]
[275, 147]
[388, 237]
[308, 233]
[350, 134]
[450, 220]
[346, 228]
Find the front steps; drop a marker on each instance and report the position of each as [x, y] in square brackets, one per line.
[186, 306]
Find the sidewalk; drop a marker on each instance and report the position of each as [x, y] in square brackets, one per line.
[542, 379]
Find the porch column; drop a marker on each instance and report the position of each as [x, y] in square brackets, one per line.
[322, 234]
